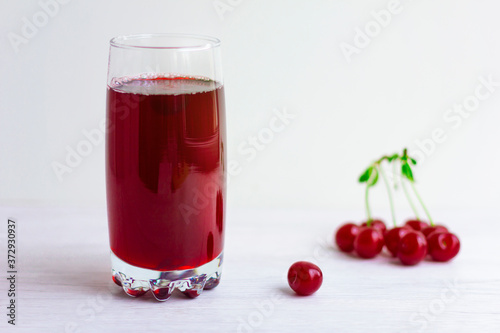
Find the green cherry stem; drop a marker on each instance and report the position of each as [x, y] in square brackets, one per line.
[389, 192]
[422, 203]
[395, 175]
[367, 205]
[410, 201]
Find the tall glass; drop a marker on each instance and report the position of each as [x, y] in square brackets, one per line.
[165, 163]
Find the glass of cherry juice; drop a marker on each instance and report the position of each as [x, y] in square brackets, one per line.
[165, 163]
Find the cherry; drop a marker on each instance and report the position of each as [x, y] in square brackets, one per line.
[345, 237]
[377, 224]
[392, 238]
[417, 225]
[443, 246]
[368, 243]
[305, 278]
[429, 230]
[412, 248]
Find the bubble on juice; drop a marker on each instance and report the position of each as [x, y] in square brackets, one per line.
[163, 84]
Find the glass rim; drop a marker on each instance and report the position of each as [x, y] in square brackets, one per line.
[206, 42]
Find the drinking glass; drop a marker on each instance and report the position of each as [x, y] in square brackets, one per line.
[165, 163]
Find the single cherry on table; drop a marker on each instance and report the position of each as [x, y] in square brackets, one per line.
[305, 278]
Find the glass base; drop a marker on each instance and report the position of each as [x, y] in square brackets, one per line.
[137, 281]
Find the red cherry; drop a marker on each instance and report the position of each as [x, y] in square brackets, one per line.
[345, 237]
[305, 278]
[443, 246]
[392, 238]
[412, 248]
[429, 230]
[368, 243]
[417, 225]
[377, 224]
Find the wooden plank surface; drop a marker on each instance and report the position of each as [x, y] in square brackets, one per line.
[63, 280]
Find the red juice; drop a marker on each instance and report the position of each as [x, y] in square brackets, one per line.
[165, 171]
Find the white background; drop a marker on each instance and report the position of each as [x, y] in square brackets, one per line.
[286, 202]
[276, 55]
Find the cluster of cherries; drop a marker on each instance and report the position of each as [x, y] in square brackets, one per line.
[410, 243]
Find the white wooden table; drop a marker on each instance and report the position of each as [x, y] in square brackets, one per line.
[64, 285]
